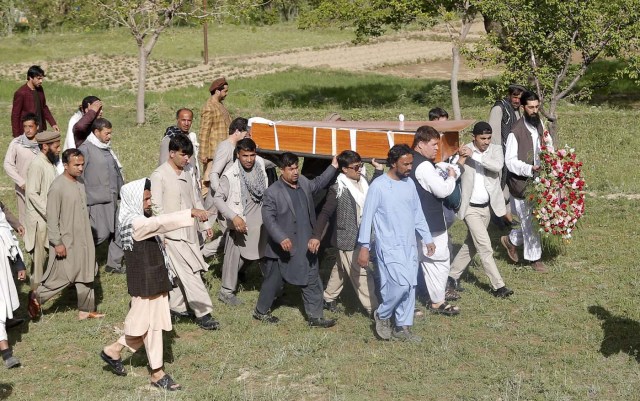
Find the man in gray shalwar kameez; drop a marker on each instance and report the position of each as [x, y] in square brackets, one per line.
[238, 200]
[72, 257]
[102, 177]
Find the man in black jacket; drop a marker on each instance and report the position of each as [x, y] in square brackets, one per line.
[343, 208]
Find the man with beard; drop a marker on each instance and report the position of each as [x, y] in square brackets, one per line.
[102, 177]
[289, 217]
[29, 98]
[239, 203]
[214, 125]
[72, 257]
[522, 158]
[40, 175]
[147, 279]
[20, 153]
[504, 114]
[172, 189]
[184, 119]
[392, 209]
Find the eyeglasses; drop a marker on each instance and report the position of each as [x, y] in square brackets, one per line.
[356, 167]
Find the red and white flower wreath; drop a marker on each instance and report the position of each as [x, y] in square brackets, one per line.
[557, 193]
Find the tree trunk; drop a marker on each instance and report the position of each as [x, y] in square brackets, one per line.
[552, 126]
[455, 69]
[142, 75]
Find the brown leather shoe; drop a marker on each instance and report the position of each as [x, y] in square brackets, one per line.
[33, 307]
[539, 267]
[512, 251]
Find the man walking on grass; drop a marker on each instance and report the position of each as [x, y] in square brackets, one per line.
[40, 175]
[102, 177]
[29, 98]
[289, 217]
[72, 259]
[392, 209]
[147, 279]
[172, 190]
[522, 158]
[480, 189]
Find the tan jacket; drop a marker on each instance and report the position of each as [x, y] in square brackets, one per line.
[492, 162]
[170, 193]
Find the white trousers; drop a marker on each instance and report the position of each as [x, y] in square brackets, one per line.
[526, 235]
[436, 267]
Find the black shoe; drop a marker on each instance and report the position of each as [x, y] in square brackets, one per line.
[11, 323]
[265, 317]
[331, 306]
[502, 292]
[321, 322]
[175, 315]
[207, 322]
[115, 270]
[455, 284]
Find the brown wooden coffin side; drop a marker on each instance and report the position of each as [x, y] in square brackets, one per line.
[369, 143]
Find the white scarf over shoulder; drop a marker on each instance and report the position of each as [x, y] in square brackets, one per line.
[92, 139]
[346, 182]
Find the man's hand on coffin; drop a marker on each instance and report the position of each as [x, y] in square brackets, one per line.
[363, 258]
[334, 162]
[313, 245]
[61, 251]
[377, 165]
[431, 248]
[239, 224]
[286, 245]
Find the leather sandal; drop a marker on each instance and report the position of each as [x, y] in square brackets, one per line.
[92, 315]
[445, 309]
[167, 383]
[115, 364]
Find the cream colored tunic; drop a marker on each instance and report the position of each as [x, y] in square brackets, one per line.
[16, 163]
[40, 175]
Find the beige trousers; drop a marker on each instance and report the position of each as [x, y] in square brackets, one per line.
[362, 282]
[477, 241]
[152, 341]
[39, 257]
[57, 281]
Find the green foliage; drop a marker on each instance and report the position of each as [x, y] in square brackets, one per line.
[371, 17]
[550, 44]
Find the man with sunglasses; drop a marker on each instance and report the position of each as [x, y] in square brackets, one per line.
[343, 212]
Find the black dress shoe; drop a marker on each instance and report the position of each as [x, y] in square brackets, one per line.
[207, 322]
[11, 323]
[265, 317]
[331, 306]
[502, 292]
[181, 315]
[321, 322]
[455, 284]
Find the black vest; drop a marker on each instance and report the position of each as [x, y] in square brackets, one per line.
[147, 274]
[431, 206]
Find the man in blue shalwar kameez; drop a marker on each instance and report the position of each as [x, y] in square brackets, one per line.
[392, 207]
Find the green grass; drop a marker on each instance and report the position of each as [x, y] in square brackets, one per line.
[572, 334]
[178, 44]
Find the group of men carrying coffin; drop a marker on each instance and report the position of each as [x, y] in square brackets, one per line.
[385, 230]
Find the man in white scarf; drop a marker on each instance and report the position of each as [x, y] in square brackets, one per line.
[343, 209]
[9, 254]
[103, 179]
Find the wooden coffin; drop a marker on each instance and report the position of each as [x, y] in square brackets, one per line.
[371, 139]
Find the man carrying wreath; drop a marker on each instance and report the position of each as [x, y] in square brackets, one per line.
[522, 158]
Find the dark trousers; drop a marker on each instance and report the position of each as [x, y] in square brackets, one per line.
[273, 282]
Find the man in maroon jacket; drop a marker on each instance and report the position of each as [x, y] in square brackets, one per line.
[29, 98]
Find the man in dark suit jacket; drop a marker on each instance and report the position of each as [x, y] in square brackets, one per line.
[289, 217]
[29, 98]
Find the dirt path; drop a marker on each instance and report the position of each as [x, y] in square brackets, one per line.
[413, 54]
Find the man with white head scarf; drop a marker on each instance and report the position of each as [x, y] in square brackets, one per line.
[147, 279]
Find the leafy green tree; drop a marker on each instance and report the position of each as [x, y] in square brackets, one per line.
[552, 43]
[373, 17]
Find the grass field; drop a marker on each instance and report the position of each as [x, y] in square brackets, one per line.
[572, 334]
